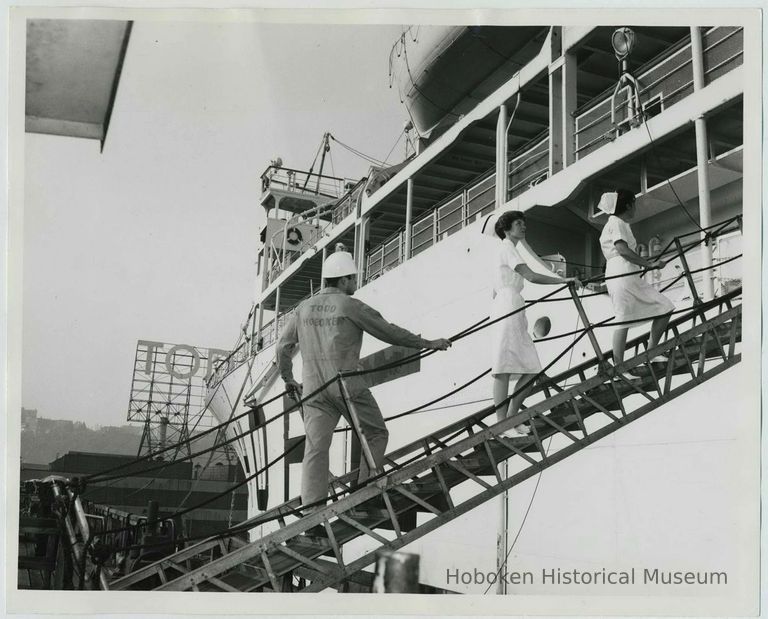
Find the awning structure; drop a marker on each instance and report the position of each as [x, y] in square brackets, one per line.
[73, 69]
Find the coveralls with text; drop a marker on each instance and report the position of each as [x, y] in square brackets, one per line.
[328, 329]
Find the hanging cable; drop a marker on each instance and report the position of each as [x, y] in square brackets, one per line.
[669, 182]
[96, 478]
[298, 512]
[485, 412]
[360, 154]
[421, 354]
[391, 150]
[522, 524]
[444, 110]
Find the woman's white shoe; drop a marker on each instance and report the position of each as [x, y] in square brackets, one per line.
[516, 432]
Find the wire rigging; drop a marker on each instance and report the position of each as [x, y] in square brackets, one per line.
[669, 182]
[354, 151]
[479, 325]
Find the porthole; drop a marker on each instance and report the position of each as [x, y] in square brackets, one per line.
[542, 327]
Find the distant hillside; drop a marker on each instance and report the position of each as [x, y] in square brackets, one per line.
[49, 438]
[43, 440]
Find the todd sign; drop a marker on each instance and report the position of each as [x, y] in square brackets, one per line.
[169, 380]
[179, 360]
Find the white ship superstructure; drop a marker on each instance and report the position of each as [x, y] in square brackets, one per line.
[533, 119]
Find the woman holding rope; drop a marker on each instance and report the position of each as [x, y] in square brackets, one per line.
[514, 353]
[632, 297]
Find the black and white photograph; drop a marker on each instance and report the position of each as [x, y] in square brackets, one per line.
[401, 301]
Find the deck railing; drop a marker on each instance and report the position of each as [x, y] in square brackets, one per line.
[300, 181]
[528, 168]
[346, 205]
[661, 85]
[525, 169]
[328, 218]
[664, 83]
[449, 217]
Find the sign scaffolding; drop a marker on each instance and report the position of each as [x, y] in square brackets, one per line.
[168, 395]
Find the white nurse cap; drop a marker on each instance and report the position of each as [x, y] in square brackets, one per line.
[607, 202]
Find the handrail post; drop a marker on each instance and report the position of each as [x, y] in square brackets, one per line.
[277, 314]
[355, 419]
[687, 272]
[501, 190]
[408, 218]
[283, 266]
[702, 163]
[286, 432]
[587, 325]
[613, 107]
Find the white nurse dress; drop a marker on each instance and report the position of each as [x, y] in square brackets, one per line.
[632, 297]
[513, 349]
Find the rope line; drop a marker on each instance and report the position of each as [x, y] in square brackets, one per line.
[479, 325]
[250, 524]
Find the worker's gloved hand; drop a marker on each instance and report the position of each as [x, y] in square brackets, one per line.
[441, 344]
[293, 388]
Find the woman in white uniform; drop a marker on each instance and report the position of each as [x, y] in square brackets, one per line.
[632, 297]
[514, 353]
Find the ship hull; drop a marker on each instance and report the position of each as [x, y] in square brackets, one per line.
[634, 495]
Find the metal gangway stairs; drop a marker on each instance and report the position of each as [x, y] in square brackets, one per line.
[576, 408]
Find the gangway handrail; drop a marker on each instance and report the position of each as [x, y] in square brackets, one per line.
[539, 387]
[448, 457]
[699, 310]
[292, 506]
[420, 354]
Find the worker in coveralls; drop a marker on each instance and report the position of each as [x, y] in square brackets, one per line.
[328, 328]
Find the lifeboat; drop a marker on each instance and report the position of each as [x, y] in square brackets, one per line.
[442, 72]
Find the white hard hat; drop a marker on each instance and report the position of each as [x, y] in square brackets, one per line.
[339, 264]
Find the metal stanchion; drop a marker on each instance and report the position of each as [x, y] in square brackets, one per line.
[153, 509]
[587, 324]
[602, 363]
[687, 272]
[355, 419]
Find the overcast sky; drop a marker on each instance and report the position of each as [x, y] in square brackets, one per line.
[156, 237]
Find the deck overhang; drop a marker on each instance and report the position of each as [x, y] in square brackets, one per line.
[72, 72]
[563, 186]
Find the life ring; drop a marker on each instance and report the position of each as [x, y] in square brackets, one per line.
[294, 237]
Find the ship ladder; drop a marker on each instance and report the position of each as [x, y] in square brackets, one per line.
[419, 477]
